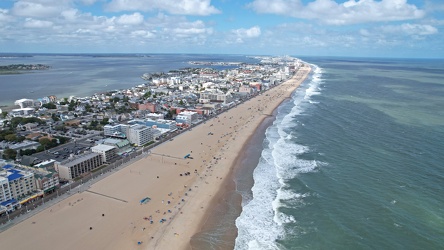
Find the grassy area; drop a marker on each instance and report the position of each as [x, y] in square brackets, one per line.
[149, 143]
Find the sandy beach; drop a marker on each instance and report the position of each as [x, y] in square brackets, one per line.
[109, 214]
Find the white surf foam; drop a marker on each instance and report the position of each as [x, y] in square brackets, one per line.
[261, 222]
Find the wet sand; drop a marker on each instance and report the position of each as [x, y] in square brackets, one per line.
[218, 229]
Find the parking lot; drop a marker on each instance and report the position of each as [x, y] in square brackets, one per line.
[64, 151]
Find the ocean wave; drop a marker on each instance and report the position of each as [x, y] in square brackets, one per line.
[261, 222]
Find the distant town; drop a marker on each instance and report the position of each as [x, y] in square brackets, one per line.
[52, 144]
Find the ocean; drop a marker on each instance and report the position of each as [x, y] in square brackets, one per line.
[86, 74]
[353, 161]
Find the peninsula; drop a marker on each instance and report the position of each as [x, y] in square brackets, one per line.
[162, 194]
[20, 68]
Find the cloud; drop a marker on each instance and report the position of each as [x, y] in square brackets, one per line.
[181, 7]
[434, 7]
[71, 14]
[4, 16]
[189, 29]
[33, 23]
[36, 8]
[409, 29]
[143, 34]
[133, 19]
[349, 12]
[242, 34]
[248, 33]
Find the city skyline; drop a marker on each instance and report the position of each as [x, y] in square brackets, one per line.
[363, 28]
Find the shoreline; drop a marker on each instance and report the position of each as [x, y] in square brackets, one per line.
[223, 192]
[227, 203]
[181, 190]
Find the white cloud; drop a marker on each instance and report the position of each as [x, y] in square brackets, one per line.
[410, 29]
[4, 16]
[349, 12]
[36, 9]
[142, 34]
[70, 14]
[189, 29]
[33, 23]
[254, 31]
[134, 19]
[241, 34]
[364, 32]
[181, 7]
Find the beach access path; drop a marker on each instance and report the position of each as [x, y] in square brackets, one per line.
[109, 214]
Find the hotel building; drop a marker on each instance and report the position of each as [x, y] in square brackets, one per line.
[79, 165]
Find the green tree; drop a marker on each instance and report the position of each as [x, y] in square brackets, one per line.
[88, 108]
[55, 117]
[4, 114]
[104, 121]
[11, 137]
[49, 106]
[45, 142]
[62, 128]
[9, 154]
[28, 152]
[94, 123]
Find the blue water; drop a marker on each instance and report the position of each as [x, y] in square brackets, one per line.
[85, 74]
[354, 161]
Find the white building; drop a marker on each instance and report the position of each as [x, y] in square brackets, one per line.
[77, 166]
[215, 96]
[119, 130]
[5, 190]
[21, 183]
[24, 103]
[140, 134]
[187, 117]
[22, 112]
[159, 123]
[107, 152]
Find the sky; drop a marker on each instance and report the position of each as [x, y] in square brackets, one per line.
[358, 28]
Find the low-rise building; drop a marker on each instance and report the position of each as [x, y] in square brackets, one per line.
[215, 96]
[158, 123]
[187, 117]
[107, 152]
[24, 103]
[47, 182]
